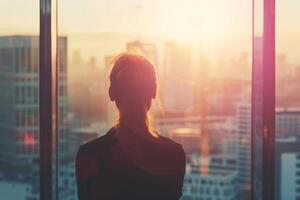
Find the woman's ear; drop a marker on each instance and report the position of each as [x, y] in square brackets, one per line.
[111, 94]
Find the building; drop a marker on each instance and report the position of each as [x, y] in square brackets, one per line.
[19, 122]
[287, 180]
[8, 190]
[176, 79]
[86, 98]
[287, 126]
[67, 186]
[220, 133]
[218, 183]
[19, 105]
[243, 119]
[287, 122]
[19, 100]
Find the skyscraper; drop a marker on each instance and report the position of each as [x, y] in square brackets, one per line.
[287, 168]
[177, 82]
[19, 102]
[287, 122]
[243, 118]
[287, 134]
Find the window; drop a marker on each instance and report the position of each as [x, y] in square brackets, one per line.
[202, 60]
[287, 100]
[199, 53]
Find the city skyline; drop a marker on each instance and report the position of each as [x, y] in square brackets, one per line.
[209, 95]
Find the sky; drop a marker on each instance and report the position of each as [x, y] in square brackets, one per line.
[186, 21]
[209, 23]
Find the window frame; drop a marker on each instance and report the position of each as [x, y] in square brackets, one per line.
[263, 155]
[48, 100]
[48, 103]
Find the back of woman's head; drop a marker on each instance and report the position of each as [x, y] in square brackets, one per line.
[132, 82]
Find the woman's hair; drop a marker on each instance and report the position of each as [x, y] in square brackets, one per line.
[133, 85]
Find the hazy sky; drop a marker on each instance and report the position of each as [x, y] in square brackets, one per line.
[190, 21]
[144, 16]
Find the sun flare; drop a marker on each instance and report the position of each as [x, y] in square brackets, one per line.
[204, 23]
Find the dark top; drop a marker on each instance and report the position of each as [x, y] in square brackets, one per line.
[104, 170]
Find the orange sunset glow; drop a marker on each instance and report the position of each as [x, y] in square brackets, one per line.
[154, 99]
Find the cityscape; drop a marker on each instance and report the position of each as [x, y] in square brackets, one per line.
[208, 63]
[212, 121]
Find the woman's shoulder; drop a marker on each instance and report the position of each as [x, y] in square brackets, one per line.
[88, 156]
[170, 143]
[171, 147]
[97, 144]
[171, 156]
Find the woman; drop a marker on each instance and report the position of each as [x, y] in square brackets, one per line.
[131, 161]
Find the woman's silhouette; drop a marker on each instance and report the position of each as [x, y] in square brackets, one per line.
[131, 161]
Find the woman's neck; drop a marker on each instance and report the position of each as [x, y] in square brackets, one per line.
[137, 122]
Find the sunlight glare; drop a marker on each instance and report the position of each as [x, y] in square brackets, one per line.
[198, 22]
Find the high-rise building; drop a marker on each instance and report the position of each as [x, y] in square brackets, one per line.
[177, 82]
[287, 126]
[287, 122]
[243, 119]
[19, 122]
[287, 180]
[19, 105]
[216, 183]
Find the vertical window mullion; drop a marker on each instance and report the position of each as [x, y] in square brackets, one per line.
[263, 102]
[48, 99]
[269, 101]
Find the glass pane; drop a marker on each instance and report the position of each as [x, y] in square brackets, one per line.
[19, 100]
[202, 56]
[287, 100]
